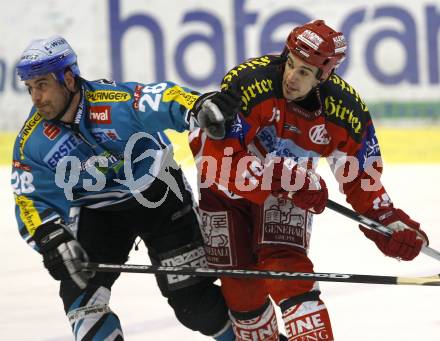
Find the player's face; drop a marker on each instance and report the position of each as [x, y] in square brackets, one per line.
[48, 95]
[298, 78]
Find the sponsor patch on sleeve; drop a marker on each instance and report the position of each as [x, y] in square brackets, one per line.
[27, 131]
[20, 165]
[28, 213]
[177, 94]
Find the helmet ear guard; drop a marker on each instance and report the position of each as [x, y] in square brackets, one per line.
[319, 45]
[59, 75]
[44, 56]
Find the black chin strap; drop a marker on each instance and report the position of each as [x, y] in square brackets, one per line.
[69, 102]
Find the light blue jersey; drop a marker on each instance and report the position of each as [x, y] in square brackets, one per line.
[115, 149]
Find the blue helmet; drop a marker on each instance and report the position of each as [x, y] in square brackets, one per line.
[43, 56]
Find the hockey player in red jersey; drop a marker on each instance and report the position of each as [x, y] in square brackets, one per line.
[259, 189]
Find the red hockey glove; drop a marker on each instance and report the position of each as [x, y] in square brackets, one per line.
[407, 239]
[310, 189]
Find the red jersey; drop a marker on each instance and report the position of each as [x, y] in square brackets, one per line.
[331, 122]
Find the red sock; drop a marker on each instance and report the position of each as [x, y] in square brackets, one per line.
[308, 321]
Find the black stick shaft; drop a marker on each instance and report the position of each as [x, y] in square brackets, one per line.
[241, 273]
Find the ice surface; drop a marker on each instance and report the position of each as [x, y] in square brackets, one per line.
[30, 308]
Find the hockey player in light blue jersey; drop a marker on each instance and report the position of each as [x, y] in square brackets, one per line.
[93, 170]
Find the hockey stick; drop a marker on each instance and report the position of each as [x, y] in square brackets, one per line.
[373, 225]
[303, 276]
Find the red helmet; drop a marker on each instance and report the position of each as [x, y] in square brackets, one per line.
[318, 45]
